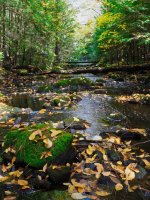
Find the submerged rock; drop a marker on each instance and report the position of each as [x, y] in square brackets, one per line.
[39, 144]
[131, 134]
[59, 174]
[76, 124]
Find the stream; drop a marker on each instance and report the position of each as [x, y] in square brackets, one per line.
[96, 109]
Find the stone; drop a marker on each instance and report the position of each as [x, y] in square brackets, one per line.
[30, 151]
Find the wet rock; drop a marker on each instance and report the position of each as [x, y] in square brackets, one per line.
[66, 157]
[59, 174]
[131, 134]
[41, 184]
[114, 155]
[100, 91]
[141, 174]
[90, 166]
[79, 124]
[105, 181]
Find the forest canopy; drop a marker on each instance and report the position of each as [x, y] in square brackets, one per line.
[122, 33]
[36, 32]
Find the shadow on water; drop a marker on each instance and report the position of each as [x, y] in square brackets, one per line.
[26, 101]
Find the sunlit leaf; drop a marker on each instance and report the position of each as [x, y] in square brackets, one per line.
[118, 187]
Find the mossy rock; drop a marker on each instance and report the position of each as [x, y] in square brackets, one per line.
[30, 151]
[74, 82]
[44, 88]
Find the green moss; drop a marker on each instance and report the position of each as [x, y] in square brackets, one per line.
[52, 195]
[30, 151]
[74, 82]
[44, 88]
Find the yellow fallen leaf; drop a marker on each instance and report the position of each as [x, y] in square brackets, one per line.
[90, 150]
[4, 168]
[76, 184]
[101, 149]
[22, 182]
[118, 187]
[106, 173]
[130, 175]
[115, 140]
[11, 121]
[48, 143]
[71, 188]
[46, 155]
[25, 187]
[75, 119]
[13, 160]
[16, 173]
[147, 163]
[45, 167]
[32, 136]
[42, 111]
[102, 193]
[3, 178]
[54, 133]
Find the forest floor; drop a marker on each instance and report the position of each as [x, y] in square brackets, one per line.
[109, 117]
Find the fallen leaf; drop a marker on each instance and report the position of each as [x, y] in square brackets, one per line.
[76, 119]
[45, 167]
[77, 184]
[37, 132]
[3, 178]
[118, 187]
[16, 173]
[147, 163]
[102, 193]
[45, 155]
[90, 150]
[54, 133]
[78, 196]
[106, 173]
[4, 168]
[48, 143]
[130, 175]
[42, 111]
[22, 182]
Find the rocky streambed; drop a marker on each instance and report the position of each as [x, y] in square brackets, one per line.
[103, 162]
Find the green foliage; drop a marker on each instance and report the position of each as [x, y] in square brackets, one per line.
[37, 32]
[122, 27]
[30, 152]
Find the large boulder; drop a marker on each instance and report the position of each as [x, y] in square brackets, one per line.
[38, 145]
